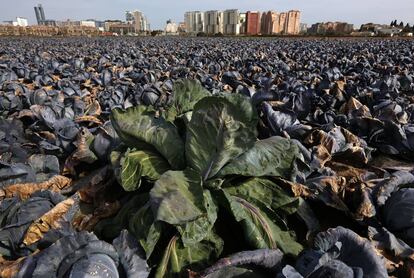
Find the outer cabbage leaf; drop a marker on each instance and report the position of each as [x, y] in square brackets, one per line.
[131, 256]
[263, 191]
[138, 164]
[143, 226]
[353, 250]
[258, 227]
[110, 228]
[139, 127]
[221, 129]
[399, 213]
[273, 156]
[177, 197]
[261, 258]
[186, 94]
[60, 257]
[195, 231]
[177, 258]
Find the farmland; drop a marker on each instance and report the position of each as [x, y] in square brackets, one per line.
[160, 157]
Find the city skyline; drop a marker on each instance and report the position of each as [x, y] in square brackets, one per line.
[356, 12]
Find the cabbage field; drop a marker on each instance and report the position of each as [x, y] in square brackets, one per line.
[206, 157]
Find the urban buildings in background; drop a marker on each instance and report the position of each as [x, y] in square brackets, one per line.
[171, 27]
[331, 28]
[232, 22]
[135, 23]
[41, 18]
[194, 22]
[138, 19]
[253, 23]
[40, 14]
[228, 22]
[20, 21]
[213, 22]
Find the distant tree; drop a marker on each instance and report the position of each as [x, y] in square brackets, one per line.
[407, 28]
[402, 24]
[155, 33]
[394, 23]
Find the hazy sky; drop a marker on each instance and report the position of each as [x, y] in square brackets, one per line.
[158, 11]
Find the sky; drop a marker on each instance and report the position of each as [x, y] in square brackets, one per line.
[159, 11]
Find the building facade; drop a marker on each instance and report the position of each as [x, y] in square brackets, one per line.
[138, 20]
[253, 23]
[242, 23]
[171, 27]
[181, 27]
[331, 28]
[281, 23]
[263, 29]
[213, 22]
[40, 14]
[88, 23]
[194, 22]
[21, 21]
[270, 23]
[231, 22]
[292, 23]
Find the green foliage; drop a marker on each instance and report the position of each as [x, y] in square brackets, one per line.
[138, 164]
[177, 197]
[269, 157]
[139, 127]
[221, 129]
[178, 257]
[218, 165]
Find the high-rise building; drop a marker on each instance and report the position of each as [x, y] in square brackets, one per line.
[253, 23]
[242, 22]
[292, 24]
[231, 22]
[270, 23]
[281, 23]
[213, 22]
[138, 19]
[263, 24]
[194, 22]
[274, 28]
[40, 14]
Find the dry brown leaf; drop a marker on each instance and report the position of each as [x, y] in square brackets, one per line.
[322, 154]
[320, 137]
[351, 174]
[25, 190]
[49, 220]
[9, 269]
[90, 119]
[94, 109]
[297, 189]
[354, 104]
